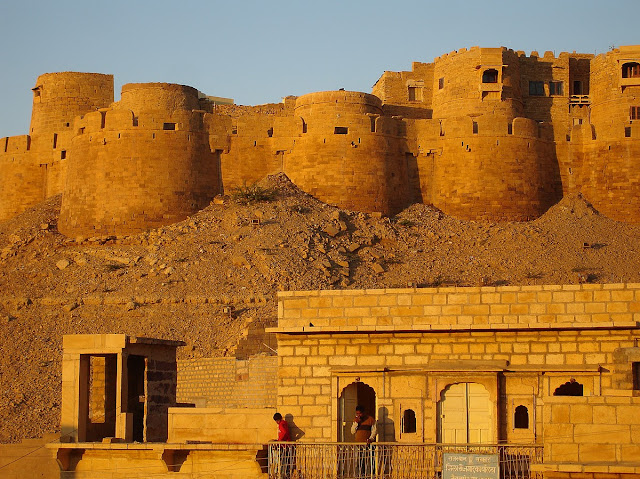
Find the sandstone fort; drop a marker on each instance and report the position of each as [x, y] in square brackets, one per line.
[483, 133]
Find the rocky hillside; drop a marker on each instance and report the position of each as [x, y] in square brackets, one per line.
[209, 278]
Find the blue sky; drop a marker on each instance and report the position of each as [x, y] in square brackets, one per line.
[259, 51]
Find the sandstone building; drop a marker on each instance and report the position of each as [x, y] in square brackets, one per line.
[546, 376]
[481, 133]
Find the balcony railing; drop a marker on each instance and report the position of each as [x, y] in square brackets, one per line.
[390, 460]
[580, 100]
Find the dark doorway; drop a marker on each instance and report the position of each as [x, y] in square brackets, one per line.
[136, 374]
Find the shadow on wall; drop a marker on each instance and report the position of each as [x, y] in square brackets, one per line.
[295, 432]
[386, 426]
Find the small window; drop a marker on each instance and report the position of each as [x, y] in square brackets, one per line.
[304, 125]
[270, 132]
[555, 88]
[631, 70]
[340, 130]
[168, 126]
[63, 154]
[414, 94]
[577, 121]
[373, 124]
[627, 132]
[103, 118]
[521, 418]
[135, 121]
[536, 88]
[441, 83]
[510, 128]
[55, 140]
[571, 388]
[36, 92]
[66, 124]
[475, 127]
[234, 130]
[490, 76]
[635, 371]
[408, 421]
[634, 113]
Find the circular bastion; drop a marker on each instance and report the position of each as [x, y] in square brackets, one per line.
[347, 154]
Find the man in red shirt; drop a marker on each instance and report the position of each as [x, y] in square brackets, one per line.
[285, 451]
[283, 427]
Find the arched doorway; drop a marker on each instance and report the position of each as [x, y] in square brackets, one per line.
[354, 394]
[465, 414]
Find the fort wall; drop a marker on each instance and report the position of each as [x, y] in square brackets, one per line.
[22, 180]
[481, 133]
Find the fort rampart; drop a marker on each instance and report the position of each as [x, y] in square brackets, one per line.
[481, 133]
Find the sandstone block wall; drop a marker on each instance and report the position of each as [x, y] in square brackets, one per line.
[227, 382]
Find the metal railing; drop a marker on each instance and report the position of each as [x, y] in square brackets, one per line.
[288, 460]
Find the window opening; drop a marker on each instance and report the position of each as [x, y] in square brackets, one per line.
[270, 132]
[304, 125]
[408, 421]
[373, 124]
[570, 388]
[168, 126]
[555, 88]
[635, 371]
[66, 124]
[63, 154]
[234, 130]
[521, 418]
[475, 127]
[536, 88]
[577, 121]
[135, 121]
[631, 70]
[441, 83]
[634, 113]
[55, 140]
[103, 118]
[510, 129]
[627, 132]
[340, 130]
[490, 76]
[414, 94]
[577, 87]
[36, 92]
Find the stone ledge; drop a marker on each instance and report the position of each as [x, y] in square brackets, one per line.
[610, 468]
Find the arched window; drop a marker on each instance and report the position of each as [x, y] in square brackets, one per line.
[521, 418]
[571, 388]
[408, 421]
[631, 70]
[490, 76]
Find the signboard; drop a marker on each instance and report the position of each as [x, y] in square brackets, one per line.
[470, 466]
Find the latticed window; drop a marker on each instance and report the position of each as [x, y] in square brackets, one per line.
[634, 113]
